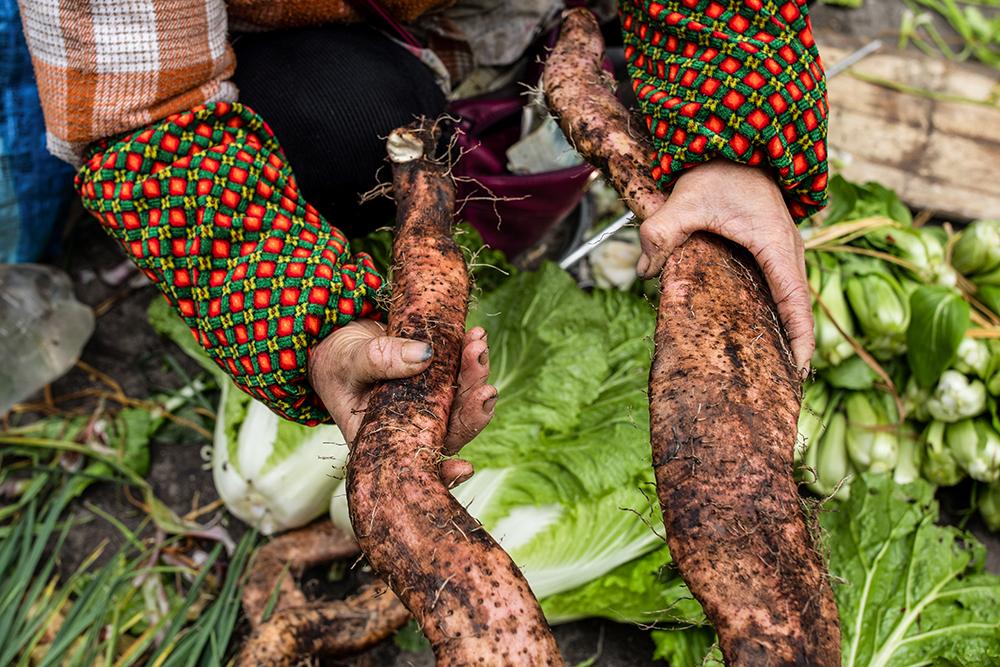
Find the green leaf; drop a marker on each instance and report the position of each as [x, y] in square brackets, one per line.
[687, 648]
[167, 322]
[852, 201]
[843, 199]
[646, 590]
[851, 374]
[990, 297]
[411, 639]
[938, 321]
[910, 592]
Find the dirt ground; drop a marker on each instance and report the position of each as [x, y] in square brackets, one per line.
[126, 348]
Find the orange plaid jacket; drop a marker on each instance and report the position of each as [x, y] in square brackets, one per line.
[109, 66]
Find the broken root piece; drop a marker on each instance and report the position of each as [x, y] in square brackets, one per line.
[293, 635]
[297, 629]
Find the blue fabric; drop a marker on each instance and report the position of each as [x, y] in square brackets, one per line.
[34, 185]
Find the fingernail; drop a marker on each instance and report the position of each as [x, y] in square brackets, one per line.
[642, 266]
[480, 333]
[484, 357]
[804, 372]
[416, 352]
[490, 403]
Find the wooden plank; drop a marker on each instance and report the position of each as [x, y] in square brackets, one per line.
[939, 155]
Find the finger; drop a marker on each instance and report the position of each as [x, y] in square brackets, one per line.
[659, 236]
[386, 358]
[470, 414]
[475, 368]
[455, 471]
[475, 333]
[791, 295]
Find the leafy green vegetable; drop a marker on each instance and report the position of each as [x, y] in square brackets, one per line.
[989, 505]
[976, 448]
[978, 248]
[990, 296]
[940, 465]
[411, 639]
[851, 374]
[811, 423]
[833, 469]
[852, 201]
[272, 473]
[956, 397]
[832, 348]
[939, 319]
[167, 323]
[872, 440]
[910, 592]
[694, 647]
[645, 590]
[882, 310]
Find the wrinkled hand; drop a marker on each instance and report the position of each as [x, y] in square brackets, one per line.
[744, 205]
[344, 368]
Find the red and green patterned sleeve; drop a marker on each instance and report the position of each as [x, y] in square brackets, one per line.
[740, 80]
[205, 204]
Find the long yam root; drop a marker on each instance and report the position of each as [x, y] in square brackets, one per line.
[724, 399]
[472, 602]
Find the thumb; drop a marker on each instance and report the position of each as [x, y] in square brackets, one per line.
[660, 234]
[387, 358]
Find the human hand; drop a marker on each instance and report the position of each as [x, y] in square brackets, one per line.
[346, 365]
[744, 205]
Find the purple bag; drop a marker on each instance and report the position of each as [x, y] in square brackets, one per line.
[526, 206]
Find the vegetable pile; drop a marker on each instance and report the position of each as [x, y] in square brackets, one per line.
[564, 482]
[907, 348]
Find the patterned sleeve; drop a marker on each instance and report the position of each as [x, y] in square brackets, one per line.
[205, 204]
[740, 80]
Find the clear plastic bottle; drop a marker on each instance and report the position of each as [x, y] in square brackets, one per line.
[43, 329]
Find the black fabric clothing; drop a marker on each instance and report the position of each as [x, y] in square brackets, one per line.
[332, 94]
